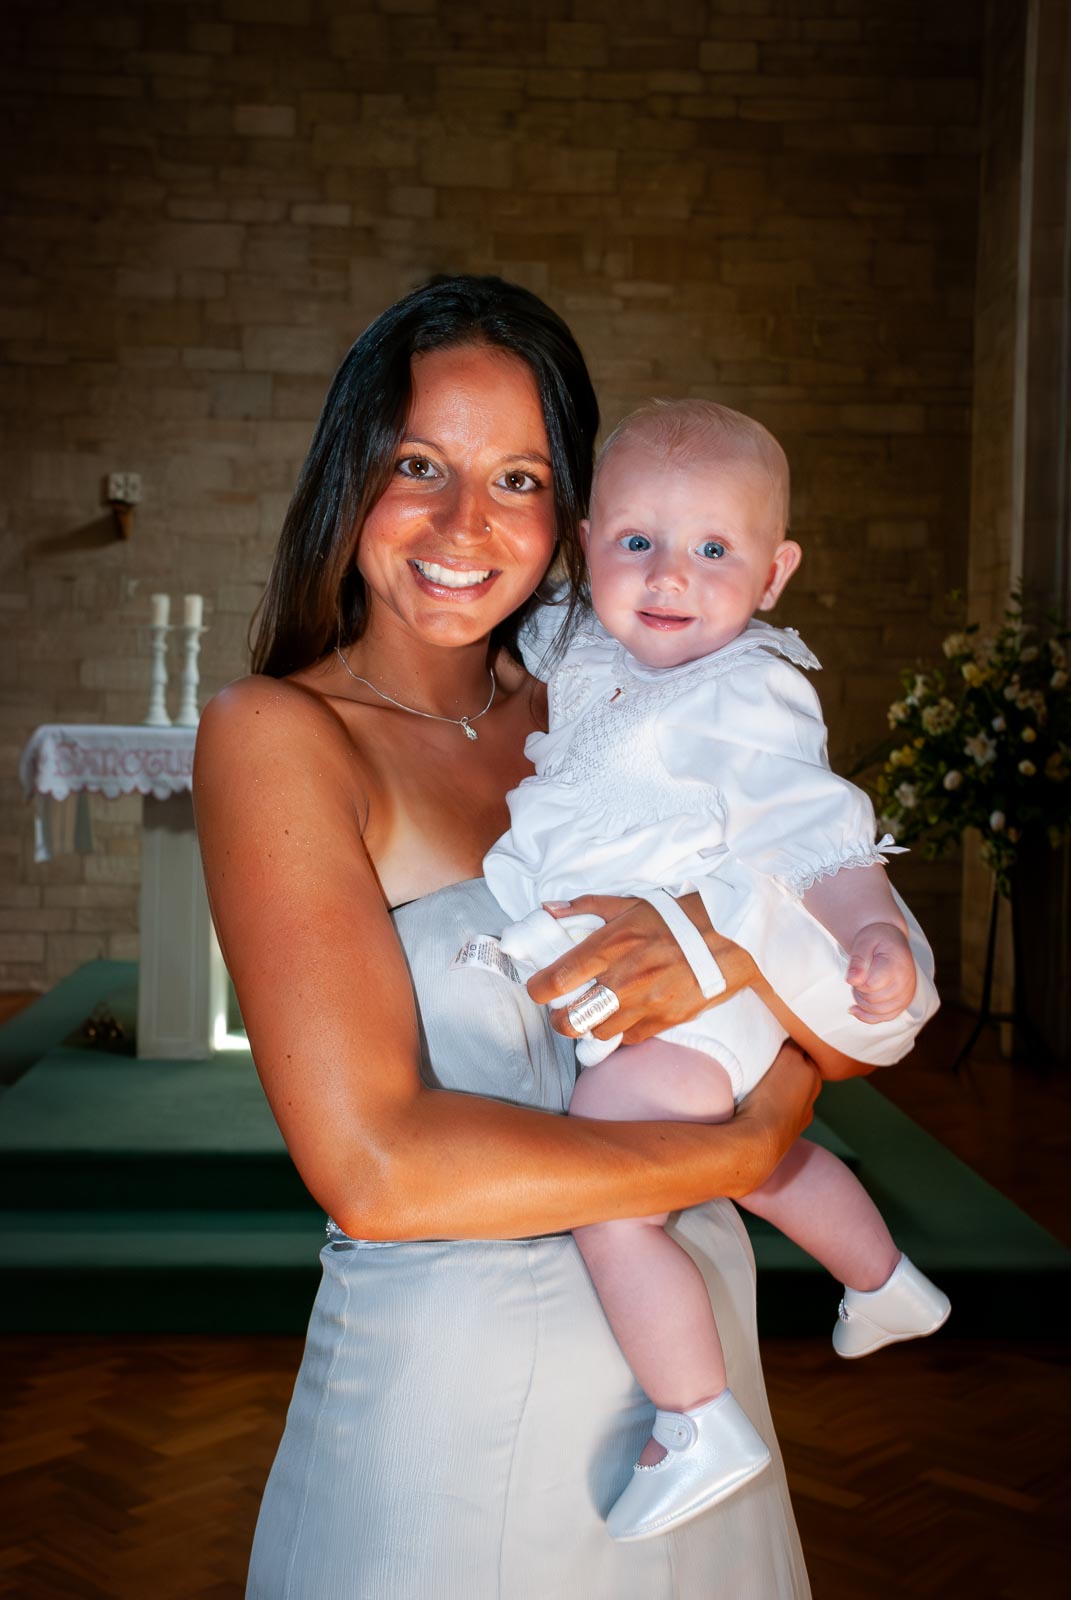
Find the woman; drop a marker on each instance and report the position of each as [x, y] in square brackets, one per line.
[463, 1418]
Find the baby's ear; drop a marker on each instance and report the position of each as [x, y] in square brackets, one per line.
[786, 558]
[585, 529]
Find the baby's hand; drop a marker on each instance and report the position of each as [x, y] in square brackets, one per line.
[881, 971]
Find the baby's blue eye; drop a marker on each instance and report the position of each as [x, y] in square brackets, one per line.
[712, 549]
[636, 542]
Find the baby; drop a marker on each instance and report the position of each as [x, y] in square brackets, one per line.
[686, 751]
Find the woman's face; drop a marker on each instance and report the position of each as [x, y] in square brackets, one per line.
[465, 528]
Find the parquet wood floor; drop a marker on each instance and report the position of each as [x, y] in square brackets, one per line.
[131, 1468]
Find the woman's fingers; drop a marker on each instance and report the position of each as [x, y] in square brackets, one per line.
[636, 957]
[606, 906]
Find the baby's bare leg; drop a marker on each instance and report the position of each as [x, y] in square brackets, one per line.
[816, 1202]
[651, 1290]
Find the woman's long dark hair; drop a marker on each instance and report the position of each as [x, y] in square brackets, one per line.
[315, 595]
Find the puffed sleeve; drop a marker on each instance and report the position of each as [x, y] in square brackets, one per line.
[806, 966]
[761, 740]
[758, 736]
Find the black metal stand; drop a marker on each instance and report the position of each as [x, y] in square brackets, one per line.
[1021, 1023]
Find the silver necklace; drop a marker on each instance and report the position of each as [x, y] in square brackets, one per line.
[464, 723]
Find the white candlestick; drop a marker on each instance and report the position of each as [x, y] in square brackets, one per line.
[188, 712]
[193, 610]
[157, 716]
[161, 610]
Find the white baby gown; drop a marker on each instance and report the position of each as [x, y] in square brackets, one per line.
[711, 776]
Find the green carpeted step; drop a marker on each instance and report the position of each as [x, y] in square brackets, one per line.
[85, 1127]
[159, 1272]
[36, 1029]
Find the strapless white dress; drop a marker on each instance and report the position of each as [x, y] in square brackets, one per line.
[463, 1419]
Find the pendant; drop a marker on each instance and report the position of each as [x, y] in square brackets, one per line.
[470, 733]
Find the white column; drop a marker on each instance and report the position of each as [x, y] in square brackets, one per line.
[182, 982]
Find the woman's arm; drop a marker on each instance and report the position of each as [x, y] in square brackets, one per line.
[328, 1004]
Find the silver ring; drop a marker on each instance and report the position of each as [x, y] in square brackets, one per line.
[593, 1007]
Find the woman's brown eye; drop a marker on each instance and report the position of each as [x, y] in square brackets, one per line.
[519, 482]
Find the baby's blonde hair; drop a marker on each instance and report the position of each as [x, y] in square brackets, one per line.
[703, 430]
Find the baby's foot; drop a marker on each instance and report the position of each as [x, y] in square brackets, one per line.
[708, 1454]
[907, 1306]
[651, 1454]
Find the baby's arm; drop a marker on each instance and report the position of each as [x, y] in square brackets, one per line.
[799, 840]
[857, 907]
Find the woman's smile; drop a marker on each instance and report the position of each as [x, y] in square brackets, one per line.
[470, 583]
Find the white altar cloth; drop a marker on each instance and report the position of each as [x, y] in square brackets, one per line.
[65, 762]
[182, 982]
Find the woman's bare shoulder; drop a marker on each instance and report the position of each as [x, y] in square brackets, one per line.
[258, 726]
[284, 703]
[261, 715]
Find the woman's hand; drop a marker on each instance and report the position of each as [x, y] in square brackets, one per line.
[637, 957]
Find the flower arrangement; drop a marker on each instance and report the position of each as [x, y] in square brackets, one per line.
[983, 742]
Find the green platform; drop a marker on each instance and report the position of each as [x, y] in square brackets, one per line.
[158, 1196]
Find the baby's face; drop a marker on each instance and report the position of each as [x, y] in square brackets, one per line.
[682, 553]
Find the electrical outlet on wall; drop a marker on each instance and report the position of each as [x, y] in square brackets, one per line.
[124, 488]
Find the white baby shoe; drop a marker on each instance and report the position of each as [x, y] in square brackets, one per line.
[907, 1306]
[710, 1453]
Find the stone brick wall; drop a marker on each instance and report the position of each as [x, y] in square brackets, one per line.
[767, 201]
[1019, 500]
[995, 550]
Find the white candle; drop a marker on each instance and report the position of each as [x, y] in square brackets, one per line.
[161, 610]
[193, 610]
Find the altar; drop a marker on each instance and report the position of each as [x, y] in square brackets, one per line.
[182, 982]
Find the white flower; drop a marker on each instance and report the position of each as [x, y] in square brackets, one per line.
[1057, 652]
[1029, 734]
[1027, 768]
[940, 717]
[996, 821]
[1058, 679]
[1011, 689]
[982, 748]
[998, 723]
[898, 712]
[957, 644]
[1030, 652]
[920, 686]
[952, 780]
[888, 825]
[907, 794]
